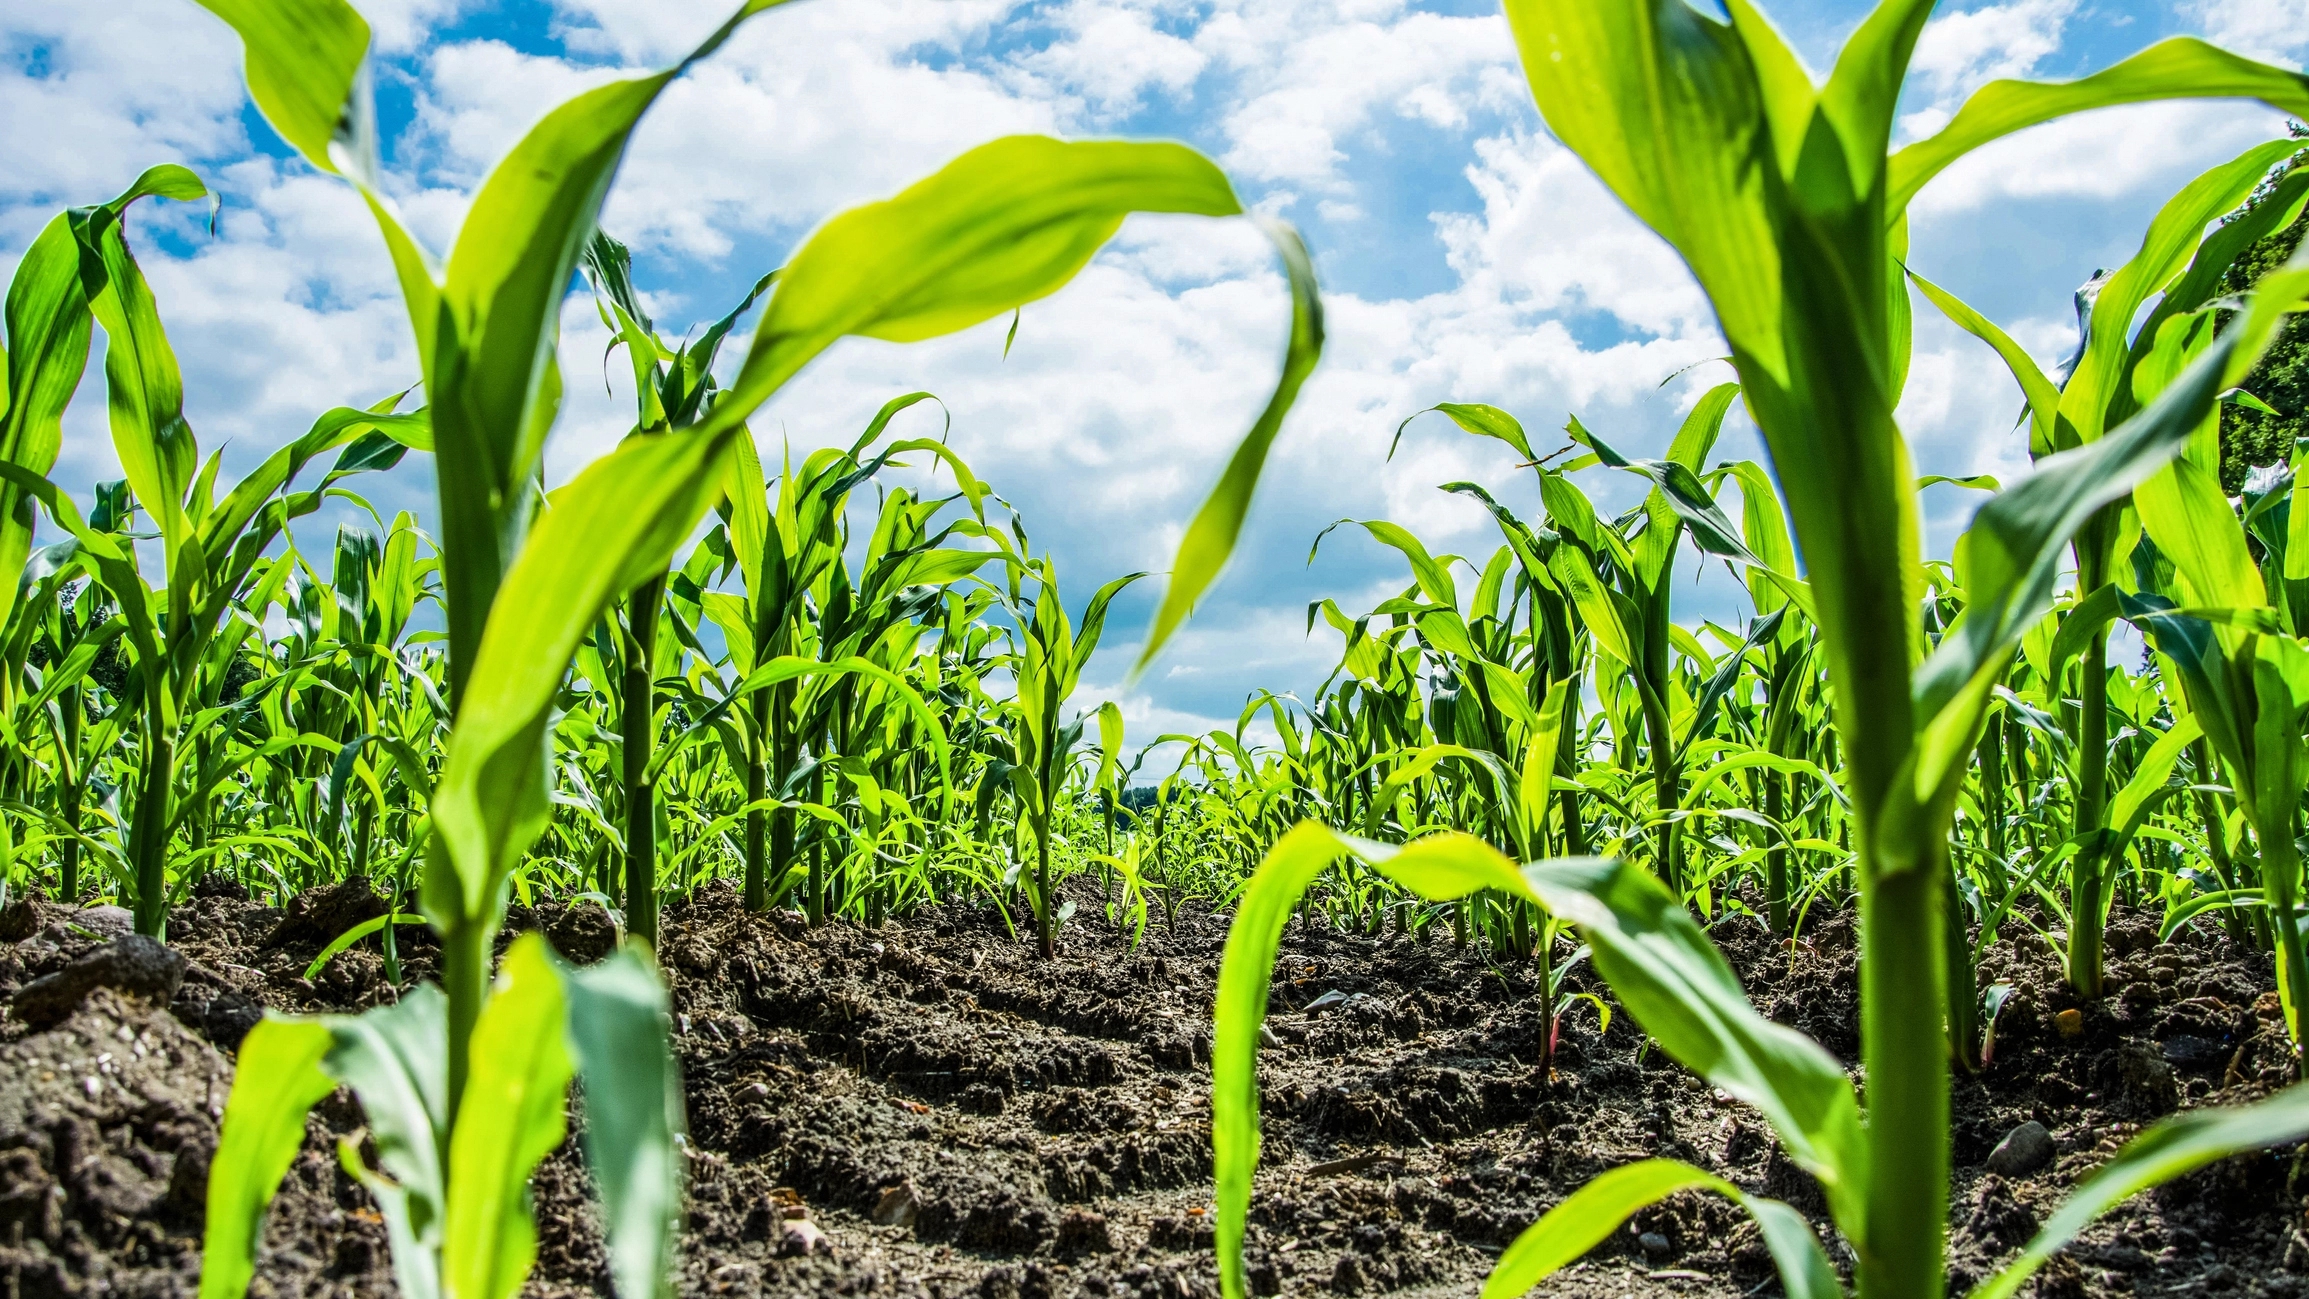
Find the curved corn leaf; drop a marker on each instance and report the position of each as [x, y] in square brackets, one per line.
[2183, 68]
[1588, 1217]
[2133, 803]
[634, 506]
[1443, 866]
[1679, 987]
[144, 391]
[2012, 554]
[1211, 534]
[2096, 389]
[1590, 1214]
[633, 1114]
[354, 935]
[392, 1059]
[513, 1113]
[1477, 418]
[48, 336]
[2042, 396]
[303, 61]
[2175, 1146]
[277, 1078]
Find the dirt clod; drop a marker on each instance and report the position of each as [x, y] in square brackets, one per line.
[134, 964]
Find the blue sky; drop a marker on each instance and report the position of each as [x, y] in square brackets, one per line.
[1465, 256]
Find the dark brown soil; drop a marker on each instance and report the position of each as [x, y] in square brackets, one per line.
[949, 1115]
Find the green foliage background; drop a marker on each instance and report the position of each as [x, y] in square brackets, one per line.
[2249, 438]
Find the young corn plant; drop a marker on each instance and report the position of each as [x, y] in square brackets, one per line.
[1783, 197]
[80, 270]
[2183, 269]
[1052, 651]
[673, 386]
[465, 1087]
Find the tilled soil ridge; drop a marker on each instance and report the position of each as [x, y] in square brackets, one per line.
[929, 1109]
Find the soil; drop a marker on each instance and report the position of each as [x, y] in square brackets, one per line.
[930, 1110]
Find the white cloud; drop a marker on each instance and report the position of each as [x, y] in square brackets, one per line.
[1551, 236]
[2139, 151]
[1113, 56]
[397, 26]
[1961, 51]
[99, 92]
[1317, 73]
[1126, 392]
[2263, 29]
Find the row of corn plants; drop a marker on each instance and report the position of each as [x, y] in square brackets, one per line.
[845, 681]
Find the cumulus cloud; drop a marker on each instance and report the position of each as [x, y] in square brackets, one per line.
[1963, 50]
[1317, 73]
[2262, 29]
[1124, 394]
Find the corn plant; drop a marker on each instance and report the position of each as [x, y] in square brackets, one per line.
[79, 270]
[465, 1088]
[2183, 269]
[1052, 651]
[1784, 199]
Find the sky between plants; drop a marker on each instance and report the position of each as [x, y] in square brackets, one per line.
[1465, 255]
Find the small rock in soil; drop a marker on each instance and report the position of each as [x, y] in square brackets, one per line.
[802, 1237]
[2024, 1150]
[135, 965]
[583, 933]
[1655, 1245]
[898, 1206]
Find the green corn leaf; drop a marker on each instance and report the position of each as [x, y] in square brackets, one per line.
[795, 668]
[1537, 779]
[1679, 987]
[633, 1114]
[1598, 608]
[634, 506]
[2095, 390]
[2079, 624]
[304, 63]
[2132, 804]
[1588, 1217]
[2013, 552]
[277, 1079]
[1590, 1214]
[392, 1059]
[354, 935]
[1211, 534]
[2042, 397]
[1697, 435]
[1433, 577]
[48, 335]
[2183, 68]
[144, 392]
[2180, 915]
[2176, 1146]
[1006, 223]
[1481, 420]
[1443, 866]
[1760, 631]
[513, 1114]
[2188, 515]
